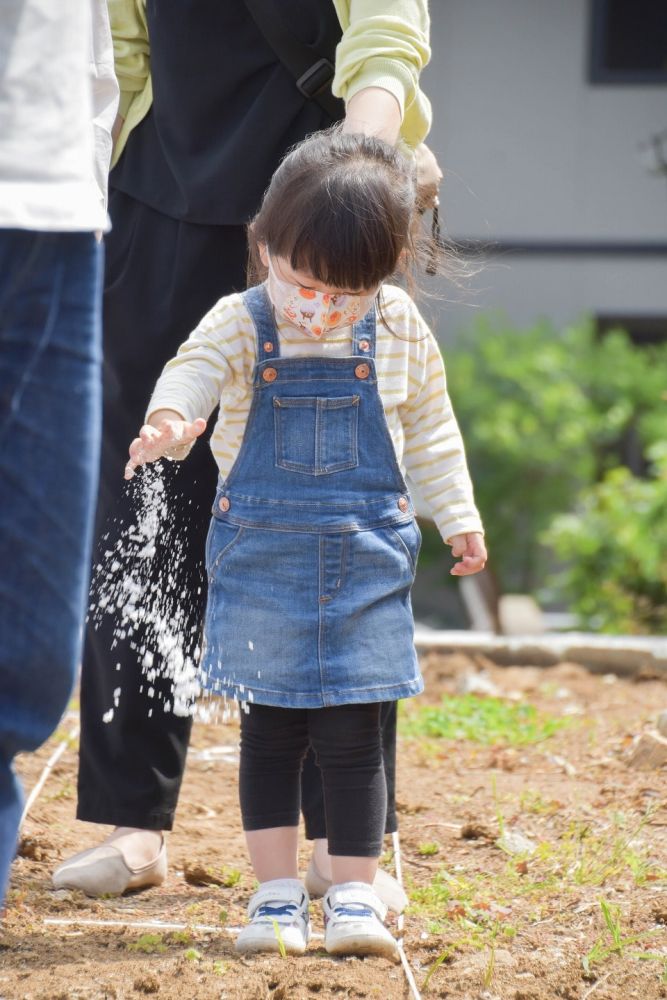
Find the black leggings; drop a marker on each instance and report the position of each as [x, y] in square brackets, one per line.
[347, 743]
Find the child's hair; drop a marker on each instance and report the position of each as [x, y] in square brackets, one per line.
[341, 207]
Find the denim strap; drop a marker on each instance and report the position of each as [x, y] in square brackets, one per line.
[260, 307]
[363, 335]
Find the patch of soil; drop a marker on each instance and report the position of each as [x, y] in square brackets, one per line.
[501, 927]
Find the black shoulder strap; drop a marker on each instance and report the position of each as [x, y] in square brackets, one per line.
[312, 66]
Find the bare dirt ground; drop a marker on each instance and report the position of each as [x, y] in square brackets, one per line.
[581, 913]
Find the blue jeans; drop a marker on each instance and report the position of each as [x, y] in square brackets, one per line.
[50, 365]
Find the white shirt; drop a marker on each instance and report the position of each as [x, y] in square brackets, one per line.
[58, 101]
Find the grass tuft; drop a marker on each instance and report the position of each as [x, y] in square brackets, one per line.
[490, 721]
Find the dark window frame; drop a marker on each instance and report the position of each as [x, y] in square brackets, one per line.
[641, 328]
[598, 73]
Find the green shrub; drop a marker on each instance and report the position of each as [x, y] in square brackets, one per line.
[615, 549]
[546, 414]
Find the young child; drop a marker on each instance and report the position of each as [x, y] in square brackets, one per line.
[329, 385]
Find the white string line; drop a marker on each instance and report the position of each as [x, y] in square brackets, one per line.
[396, 842]
[50, 764]
[162, 925]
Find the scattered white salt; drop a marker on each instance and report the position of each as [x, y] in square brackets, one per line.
[129, 588]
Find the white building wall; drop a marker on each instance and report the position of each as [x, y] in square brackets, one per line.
[533, 152]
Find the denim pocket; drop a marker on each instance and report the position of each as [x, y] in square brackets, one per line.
[316, 435]
[409, 536]
[221, 539]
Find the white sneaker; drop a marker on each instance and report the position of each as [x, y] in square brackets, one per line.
[390, 891]
[354, 922]
[278, 914]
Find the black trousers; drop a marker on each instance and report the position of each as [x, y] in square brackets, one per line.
[161, 277]
[347, 743]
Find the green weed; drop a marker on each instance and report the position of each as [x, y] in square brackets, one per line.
[148, 944]
[590, 858]
[481, 720]
[603, 949]
[181, 937]
[230, 877]
[279, 939]
[428, 849]
[66, 791]
[533, 802]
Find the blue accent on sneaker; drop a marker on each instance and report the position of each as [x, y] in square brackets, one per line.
[353, 911]
[286, 910]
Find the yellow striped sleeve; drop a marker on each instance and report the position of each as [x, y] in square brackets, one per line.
[210, 358]
[434, 455]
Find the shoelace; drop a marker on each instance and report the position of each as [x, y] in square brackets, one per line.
[285, 910]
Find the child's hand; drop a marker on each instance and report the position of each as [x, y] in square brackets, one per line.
[167, 436]
[472, 550]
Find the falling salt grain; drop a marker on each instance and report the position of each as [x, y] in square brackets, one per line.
[251, 644]
[108, 716]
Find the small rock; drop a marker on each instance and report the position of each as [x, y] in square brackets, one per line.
[196, 873]
[482, 959]
[506, 760]
[147, 984]
[515, 842]
[650, 752]
[477, 684]
[62, 894]
[475, 831]
[569, 769]
[33, 848]
[562, 692]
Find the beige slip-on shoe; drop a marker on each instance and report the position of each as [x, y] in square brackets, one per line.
[103, 870]
[390, 891]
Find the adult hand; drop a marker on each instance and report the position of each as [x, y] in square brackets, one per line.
[472, 550]
[429, 177]
[374, 111]
[166, 436]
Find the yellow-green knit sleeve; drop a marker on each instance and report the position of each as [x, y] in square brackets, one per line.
[385, 44]
[132, 64]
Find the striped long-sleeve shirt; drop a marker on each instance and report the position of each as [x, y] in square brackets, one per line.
[215, 366]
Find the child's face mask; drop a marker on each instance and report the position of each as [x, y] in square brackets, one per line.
[316, 313]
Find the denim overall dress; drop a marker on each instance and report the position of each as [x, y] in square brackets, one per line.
[313, 543]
